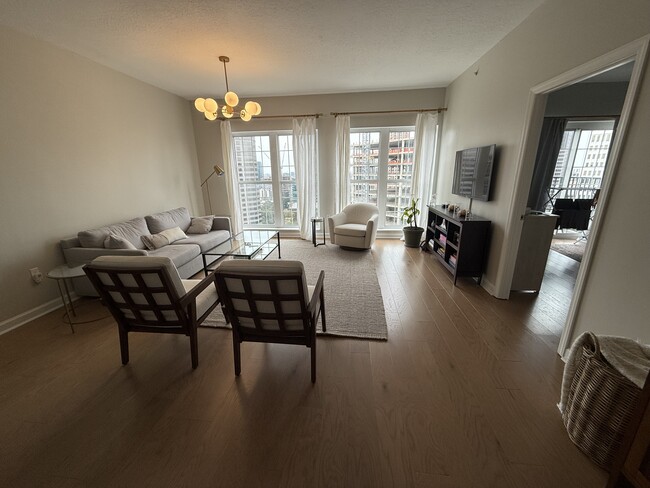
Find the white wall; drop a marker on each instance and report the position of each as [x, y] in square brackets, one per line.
[208, 138]
[81, 146]
[490, 107]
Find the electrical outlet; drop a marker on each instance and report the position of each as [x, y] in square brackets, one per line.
[37, 276]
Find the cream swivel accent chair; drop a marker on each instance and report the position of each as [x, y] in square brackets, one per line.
[355, 226]
[146, 294]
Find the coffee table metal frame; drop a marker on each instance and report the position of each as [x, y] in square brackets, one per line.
[248, 244]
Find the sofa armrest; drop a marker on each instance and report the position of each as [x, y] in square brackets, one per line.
[221, 223]
[76, 256]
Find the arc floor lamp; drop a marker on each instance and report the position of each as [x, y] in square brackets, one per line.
[217, 170]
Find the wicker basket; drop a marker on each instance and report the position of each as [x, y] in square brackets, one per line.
[599, 405]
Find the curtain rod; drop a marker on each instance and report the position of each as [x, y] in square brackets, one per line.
[285, 116]
[270, 117]
[419, 110]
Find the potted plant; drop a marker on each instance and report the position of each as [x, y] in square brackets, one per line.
[412, 233]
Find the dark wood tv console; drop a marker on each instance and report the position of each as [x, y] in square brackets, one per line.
[460, 244]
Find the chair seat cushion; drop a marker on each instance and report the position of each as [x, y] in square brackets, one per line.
[205, 299]
[352, 230]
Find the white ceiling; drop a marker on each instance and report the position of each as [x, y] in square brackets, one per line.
[275, 47]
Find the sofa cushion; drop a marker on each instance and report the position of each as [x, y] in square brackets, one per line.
[114, 241]
[180, 255]
[206, 241]
[164, 238]
[178, 217]
[200, 225]
[131, 230]
[352, 230]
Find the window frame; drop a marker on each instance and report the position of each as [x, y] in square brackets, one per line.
[276, 181]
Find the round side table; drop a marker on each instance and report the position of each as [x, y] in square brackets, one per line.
[61, 274]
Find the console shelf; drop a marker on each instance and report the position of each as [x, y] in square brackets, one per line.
[459, 244]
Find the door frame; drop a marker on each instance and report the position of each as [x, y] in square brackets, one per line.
[634, 51]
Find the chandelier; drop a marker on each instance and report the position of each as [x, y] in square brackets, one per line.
[210, 108]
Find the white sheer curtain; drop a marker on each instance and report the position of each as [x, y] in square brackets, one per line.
[305, 158]
[424, 170]
[342, 161]
[232, 181]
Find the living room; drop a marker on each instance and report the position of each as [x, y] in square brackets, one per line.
[84, 145]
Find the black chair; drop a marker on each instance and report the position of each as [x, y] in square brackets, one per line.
[573, 214]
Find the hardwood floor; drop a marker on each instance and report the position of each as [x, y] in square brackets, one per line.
[463, 394]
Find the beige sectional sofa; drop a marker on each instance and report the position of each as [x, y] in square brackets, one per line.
[185, 253]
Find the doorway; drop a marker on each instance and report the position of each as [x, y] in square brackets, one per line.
[632, 54]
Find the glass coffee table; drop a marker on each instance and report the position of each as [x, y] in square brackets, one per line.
[249, 244]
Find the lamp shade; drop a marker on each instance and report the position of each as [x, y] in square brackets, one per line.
[210, 105]
[244, 115]
[210, 115]
[199, 104]
[227, 111]
[231, 99]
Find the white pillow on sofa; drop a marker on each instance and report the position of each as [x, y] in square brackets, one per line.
[164, 238]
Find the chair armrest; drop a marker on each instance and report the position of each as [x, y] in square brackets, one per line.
[332, 222]
[191, 295]
[314, 302]
[371, 230]
[221, 223]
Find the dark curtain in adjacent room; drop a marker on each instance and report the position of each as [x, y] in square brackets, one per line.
[550, 142]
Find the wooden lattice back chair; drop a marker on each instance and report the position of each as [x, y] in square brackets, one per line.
[146, 294]
[269, 301]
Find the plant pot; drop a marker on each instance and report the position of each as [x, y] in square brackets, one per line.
[412, 236]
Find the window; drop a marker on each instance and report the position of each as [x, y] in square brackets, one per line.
[267, 179]
[581, 161]
[381, 169]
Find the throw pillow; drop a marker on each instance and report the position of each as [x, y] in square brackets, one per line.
[164, 238]
[201, 225]
[114, 241]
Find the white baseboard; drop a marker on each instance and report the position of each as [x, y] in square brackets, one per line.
[32, 314]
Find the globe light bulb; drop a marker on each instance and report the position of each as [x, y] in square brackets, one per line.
[244, 115]
[210, 105]
[227, 111]
[199, 104]
[231, 99]
[210, 116]
[250, 107]
[258, 109]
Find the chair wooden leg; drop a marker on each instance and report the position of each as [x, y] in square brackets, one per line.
[236, 345]
[322, 310]
[313, 359]
[194, 347]
[124, 345]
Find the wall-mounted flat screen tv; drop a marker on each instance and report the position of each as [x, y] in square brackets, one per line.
[473, 172]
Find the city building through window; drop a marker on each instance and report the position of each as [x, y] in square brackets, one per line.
[381, 169]
[267, 179]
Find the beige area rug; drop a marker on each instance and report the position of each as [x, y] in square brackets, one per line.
[570, 248]
[353, 303]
